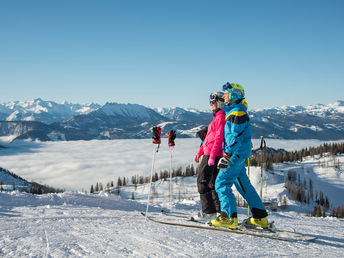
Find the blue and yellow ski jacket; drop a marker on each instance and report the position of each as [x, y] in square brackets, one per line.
[237, 132]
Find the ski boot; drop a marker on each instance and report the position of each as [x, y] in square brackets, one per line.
[224, 221]
[201, 216]
[257, 223]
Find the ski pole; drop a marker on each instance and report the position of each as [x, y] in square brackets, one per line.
[171, 137]
[155, 150]
[262, 147]
[248, 172]
[171, 197]
[156, 141]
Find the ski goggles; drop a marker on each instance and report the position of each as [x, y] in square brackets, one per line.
[227, 86]
[213, 98]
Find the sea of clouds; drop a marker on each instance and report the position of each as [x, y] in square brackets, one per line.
[75, 165]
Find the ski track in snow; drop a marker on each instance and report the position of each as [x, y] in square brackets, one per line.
[79, 225]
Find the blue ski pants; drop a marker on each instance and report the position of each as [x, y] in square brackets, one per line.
[236, 174]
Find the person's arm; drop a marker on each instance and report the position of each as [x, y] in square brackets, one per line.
[219, 124]
[199, 154]
[239, 120]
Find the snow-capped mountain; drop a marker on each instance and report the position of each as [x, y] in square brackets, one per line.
[113, 121]
[46, 120]
[324, 122]
[43, 111]
[180, 114]
[321, 110]
[139, 112]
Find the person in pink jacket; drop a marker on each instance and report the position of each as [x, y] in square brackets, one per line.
[208, 155]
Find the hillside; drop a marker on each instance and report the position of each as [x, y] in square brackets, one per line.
[9, 181]
[74, 224]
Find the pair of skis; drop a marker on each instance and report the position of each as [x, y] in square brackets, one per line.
[270, 233]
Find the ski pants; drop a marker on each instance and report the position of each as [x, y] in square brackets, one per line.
[206, 185]
[236, 174]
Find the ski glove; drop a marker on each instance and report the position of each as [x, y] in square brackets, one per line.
[211, 162]
[223, 162]
[171, 137]
[196, 158]
[156, 135]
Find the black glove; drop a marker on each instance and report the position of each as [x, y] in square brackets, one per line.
[171, 137]
[223, 162]
[156, 135]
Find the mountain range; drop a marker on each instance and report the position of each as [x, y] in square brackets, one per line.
[51, 121]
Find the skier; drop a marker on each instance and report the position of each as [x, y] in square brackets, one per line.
[237, 148]
[212, 151]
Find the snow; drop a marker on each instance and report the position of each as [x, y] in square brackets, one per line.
[30, 110]
[131, 110]
[317, 110]
[80, 225]
[73, 224]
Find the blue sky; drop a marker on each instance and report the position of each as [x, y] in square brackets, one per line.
[172, 53]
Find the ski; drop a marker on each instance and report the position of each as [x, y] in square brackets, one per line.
[235, 231]
[176, 214]
[272, 229]
[244, 227]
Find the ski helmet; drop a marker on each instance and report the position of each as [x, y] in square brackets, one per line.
[237, 91]
[217, 97]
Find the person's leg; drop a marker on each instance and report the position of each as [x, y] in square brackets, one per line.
[223, 187]
[246, 189]
[214, 195]
[204, 176]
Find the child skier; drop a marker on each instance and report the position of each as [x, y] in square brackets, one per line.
[237, 148]
[212, 151]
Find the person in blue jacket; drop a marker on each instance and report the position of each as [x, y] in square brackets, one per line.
[237, 148]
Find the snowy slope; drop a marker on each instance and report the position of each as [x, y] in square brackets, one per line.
[78, 225]
[106, 225]
[10, 181]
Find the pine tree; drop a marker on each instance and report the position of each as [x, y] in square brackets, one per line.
[96, 189]
[92, 189]
[119, 182]
[311, 189]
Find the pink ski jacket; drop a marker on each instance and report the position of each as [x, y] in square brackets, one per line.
[213, 142]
